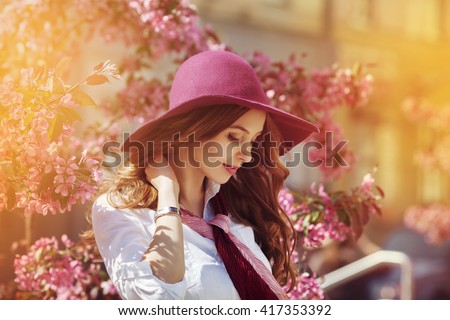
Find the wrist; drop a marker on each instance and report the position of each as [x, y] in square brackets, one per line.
[167, 211]
[168, 197]
[170, 187]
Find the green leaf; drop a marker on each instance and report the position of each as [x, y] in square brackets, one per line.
[306, 221]
[62, 65]
[84, 172]
[380, 191]
[101, 65]
[69, 115]
[56, 127]
[28, 118]
[343, 216]
[38, 253]
[315, 215]
[294, 217]
[40, 73]
[58, 86]
[97, 79]
[82, 98]
[50, 83]
[377, 209]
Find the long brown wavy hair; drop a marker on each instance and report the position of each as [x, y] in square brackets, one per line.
[252, 196]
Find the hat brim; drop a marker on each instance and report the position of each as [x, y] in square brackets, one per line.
[292, 129]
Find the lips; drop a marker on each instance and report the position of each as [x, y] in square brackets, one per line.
[230, 169]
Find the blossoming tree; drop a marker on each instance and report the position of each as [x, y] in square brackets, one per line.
[432, 220]
[45, 169]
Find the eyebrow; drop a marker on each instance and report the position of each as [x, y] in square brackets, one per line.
[242, 128]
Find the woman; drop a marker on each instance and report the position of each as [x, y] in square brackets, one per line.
[194, 212]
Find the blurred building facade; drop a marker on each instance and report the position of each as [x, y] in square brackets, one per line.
[403, 43]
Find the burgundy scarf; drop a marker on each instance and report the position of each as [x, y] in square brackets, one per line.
[251, 278]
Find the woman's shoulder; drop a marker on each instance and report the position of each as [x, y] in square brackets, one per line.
[101, 199]
[110, 215]
[106, 203]
[102, 203]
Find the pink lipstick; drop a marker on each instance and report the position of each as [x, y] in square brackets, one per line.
[231, 170]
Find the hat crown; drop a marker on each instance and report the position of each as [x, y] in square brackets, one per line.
[223, 78]
[215, 73]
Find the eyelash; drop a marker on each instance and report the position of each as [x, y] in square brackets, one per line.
[232, 138]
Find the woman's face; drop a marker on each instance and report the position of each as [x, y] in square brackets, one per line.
[222, 155]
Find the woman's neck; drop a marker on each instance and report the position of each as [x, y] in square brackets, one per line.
[192, 189]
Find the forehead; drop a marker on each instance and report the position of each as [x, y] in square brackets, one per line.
[252, 120]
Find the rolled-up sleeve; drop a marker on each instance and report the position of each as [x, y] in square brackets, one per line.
[122, 237]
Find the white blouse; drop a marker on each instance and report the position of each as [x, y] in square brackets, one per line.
[123, 235]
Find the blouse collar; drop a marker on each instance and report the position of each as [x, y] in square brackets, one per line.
[212, 188]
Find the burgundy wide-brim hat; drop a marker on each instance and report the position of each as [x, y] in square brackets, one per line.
[214, 78]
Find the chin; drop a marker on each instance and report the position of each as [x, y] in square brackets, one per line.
[220, 179]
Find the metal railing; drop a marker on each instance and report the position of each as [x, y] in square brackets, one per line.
[365, 265]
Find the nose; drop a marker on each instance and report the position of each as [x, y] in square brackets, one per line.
[245, 152]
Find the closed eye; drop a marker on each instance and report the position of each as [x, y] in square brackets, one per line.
[232, 138]
[255, 143]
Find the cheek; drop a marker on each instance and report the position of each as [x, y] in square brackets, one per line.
[198, 157]
[212, 151]
[230, 151]
[210, 155]
[216, 149]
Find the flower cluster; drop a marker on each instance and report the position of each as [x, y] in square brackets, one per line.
[72, 272]
[145, 100]
[314, 97]
[433, 221]
[307, 288]
[40, 172]
[319, 215]
[42, 31]
[153, 27]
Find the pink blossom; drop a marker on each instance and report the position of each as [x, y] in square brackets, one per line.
[108, 288]
[433, 221]
[307, 288]
[367, 183]
[314, 97]
[65, 179]
[315, 214]
[50, 272]
[141, 97]
[285, 199]
[8, 96]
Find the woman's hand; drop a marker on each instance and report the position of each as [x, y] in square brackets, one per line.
[166, 250]
[161, 175]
